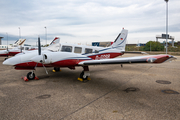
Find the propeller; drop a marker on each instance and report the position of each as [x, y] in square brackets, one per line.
[39, 46]
[39, 58]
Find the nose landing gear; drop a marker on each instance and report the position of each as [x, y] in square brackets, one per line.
[31, 75]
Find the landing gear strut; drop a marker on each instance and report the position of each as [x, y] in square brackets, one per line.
[31, 75]
[84, 74]
[84, 77]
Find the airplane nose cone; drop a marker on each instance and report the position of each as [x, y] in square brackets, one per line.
[12, 61]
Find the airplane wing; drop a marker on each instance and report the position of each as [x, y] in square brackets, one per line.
[130, 60]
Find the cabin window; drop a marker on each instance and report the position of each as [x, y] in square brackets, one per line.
[87, 50]
[96, 51]
[77, 50]
[66, 49]
[26, 48]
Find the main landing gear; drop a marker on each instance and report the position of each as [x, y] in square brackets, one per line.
[84, 74]
[56, 69]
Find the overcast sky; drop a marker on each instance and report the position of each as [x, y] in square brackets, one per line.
[86, 21]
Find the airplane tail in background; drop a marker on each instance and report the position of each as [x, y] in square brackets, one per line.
[56, 40]
[54, 45]
[20, 42]
[120, 41]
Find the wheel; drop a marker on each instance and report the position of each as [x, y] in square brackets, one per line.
[82, 76]
[31, 76]
[57, 69]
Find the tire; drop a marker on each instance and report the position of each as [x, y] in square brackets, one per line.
[81, 76]
[57, 69]
[31, 76]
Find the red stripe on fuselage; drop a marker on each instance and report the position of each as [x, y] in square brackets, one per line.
[105, 56]
[4, 55]
[31, 65]
[65, 63]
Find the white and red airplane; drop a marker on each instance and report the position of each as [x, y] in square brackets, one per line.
[13, 50]
[22, 49]
[72, 56]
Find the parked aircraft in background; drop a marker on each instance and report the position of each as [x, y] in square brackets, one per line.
[22, 49]
[4, 53]
[71, 56]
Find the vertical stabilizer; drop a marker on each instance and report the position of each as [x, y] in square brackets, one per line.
[54, 45]
[56, 40]
[20, 42]
[120, 41]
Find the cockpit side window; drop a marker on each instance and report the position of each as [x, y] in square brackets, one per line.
[87, 50]
[96, 51]
[66, 48]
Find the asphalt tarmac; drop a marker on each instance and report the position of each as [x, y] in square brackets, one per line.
[113, 93]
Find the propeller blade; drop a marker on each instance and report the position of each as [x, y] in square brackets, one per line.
[39, 46]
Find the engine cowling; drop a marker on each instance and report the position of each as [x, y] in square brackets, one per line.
[44, 58]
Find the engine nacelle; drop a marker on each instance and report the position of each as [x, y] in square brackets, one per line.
[46, 58]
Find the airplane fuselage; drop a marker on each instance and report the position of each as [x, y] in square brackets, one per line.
[69, 55]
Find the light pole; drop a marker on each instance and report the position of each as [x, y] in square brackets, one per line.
[19, 33]
[150, 46]
[46, 34]
[7, 41]
[166, 23]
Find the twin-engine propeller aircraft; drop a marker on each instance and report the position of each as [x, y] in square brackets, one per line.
[72, 56]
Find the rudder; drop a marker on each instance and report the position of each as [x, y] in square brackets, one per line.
[120, 41]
